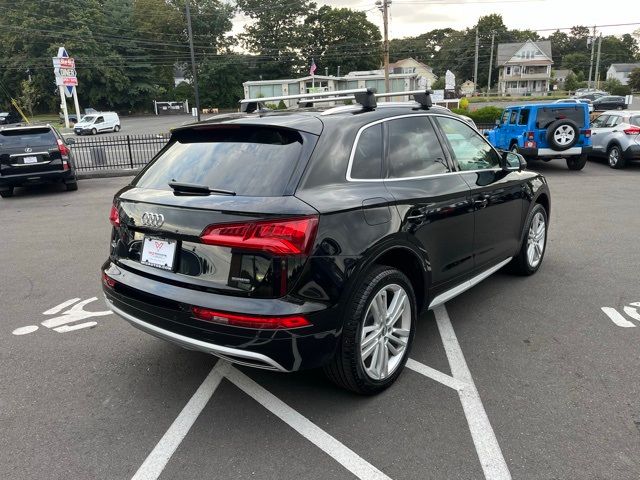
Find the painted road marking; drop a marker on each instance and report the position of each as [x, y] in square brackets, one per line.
[488, 450]
[61, 323]
[309, 430]
[170, 441]
[490, 455]
[617, 318]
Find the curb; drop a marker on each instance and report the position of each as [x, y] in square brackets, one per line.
[107, 173]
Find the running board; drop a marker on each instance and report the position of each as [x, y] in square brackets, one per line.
[463, 287]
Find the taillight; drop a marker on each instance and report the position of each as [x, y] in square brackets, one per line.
[114, 216]
[530, 135]
[632, 131]
[587, 133]
[249, 321]
[108, 281]
[62, 148]
[65, 165]
[293, 236]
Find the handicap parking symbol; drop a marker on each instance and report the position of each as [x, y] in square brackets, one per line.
[68, 319]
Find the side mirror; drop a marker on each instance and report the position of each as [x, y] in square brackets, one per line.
[69, 141]
[512, 162]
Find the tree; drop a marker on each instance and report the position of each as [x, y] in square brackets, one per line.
[29, 96]
[439, 84]
[341, 37]
[634, 80]
[571, 82]
[615, 87]
[275, 34]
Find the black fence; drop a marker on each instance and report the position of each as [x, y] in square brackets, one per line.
[114, 152]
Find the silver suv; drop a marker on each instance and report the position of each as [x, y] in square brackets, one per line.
[616, 136]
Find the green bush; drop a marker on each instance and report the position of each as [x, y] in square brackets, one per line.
[281, 105]
[484, 115]
[271, 106]
[464, 104]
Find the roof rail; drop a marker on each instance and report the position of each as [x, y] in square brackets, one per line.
[364, 96]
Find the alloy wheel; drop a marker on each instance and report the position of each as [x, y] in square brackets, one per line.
[614, 157]
[564, 135]
[536, 240]
[385, 332]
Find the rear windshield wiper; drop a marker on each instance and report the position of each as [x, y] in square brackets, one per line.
[195, 189]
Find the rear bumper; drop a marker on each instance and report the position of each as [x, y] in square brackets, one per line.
[632, 152]
[548, 152]
[36, 177]
[164, 310]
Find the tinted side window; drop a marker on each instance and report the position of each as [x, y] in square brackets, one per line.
[514, 115]
[635, 121]
[613, 121]
[100, 120]
[414, 150]
[505, 116]
[524, 117]
[469, 148]
[367, 157]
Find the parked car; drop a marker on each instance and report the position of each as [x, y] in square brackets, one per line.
[7, 118]
[576, 100]
[34, 154]
[97, 123]
[590, 94]
[293, 240]
[616, 136]
[73, 118]
[612, 102]
[545, 131]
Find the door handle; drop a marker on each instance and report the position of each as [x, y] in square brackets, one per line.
[481, 203]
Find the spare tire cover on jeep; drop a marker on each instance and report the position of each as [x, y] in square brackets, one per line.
[563, 134]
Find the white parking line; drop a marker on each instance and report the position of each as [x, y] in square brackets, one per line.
[160, 455]
[340, 452]
[617, 318]
[493, 464]
[434, 374]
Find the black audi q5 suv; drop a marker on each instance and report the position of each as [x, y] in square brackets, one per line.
[316, 237]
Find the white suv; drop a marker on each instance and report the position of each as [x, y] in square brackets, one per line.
[615, 135]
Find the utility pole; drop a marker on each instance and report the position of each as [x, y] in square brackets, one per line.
[193, 61]
[593, 47]
[597, 75]
[338, 70]
[475, 65]
[383, 6]
[493, 39]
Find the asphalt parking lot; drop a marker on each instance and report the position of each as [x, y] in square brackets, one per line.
[524, 378]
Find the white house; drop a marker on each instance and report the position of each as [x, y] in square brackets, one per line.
[411, 65]
[467, 88]
[621, 71]
[525, 67]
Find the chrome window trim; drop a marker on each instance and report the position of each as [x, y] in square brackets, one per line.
[433, 175]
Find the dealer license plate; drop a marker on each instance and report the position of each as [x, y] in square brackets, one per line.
[159, 253]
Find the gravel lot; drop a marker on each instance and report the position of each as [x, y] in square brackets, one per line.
[535, 382]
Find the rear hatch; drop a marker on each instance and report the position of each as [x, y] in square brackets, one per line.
[29, 151]
[248, 236]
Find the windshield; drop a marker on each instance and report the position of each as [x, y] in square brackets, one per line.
[251, 161]
[88, 119]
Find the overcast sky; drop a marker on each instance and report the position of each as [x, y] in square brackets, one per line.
[413, 17]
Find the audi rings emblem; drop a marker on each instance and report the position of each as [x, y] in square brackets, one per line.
[152, 219]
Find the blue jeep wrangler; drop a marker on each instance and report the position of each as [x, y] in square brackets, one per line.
[545, 131]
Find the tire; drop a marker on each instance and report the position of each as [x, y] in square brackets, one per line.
[72, 186]
[6, 193]
[523, 263]
[615, 158]
[347, 368]
[563, 134]
[116, 128]
[577, 163]
[94, 131]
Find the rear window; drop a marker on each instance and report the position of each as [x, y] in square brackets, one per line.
[22, 138]
[255, 161]
[635, 121]
[548, 115]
